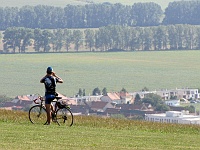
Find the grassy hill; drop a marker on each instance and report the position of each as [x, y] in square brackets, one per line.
[62, 3]
[21, 73]
[93, 133]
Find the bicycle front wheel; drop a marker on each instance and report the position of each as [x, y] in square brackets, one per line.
[38, 115]
[64, 116]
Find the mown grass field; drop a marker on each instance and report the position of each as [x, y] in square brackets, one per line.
[93, 133]
[20, 73]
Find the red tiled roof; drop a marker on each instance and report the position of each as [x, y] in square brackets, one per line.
[98, 104]
[124, 94]
[125, 106]
[112, 111]
[23, 97]
[9, 104]
[113, 96]
[133, 107]
[23, 103]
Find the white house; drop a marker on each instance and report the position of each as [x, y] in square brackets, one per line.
[166, 94]
[172, 102]
[182, 117]
[90, 98]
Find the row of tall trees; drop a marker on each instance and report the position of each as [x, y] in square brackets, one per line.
[80, 16]
[183, 12]
[98, 15]
[21, 39]
[111, 37]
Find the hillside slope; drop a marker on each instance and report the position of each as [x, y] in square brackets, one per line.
[95, 133]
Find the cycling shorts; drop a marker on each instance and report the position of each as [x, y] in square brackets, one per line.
[49, 98]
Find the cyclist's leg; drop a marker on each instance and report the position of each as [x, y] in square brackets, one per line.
[52, 108]
[48, 99]
[48, 108]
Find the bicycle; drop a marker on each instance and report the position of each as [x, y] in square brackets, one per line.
[62, 115]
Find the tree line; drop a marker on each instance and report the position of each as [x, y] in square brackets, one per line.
[98, 15]
[108, 38]
[80, 16]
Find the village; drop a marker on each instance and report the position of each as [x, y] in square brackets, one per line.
[118, 104]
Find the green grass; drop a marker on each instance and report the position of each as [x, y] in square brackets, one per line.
[20, 73]
[94, 133]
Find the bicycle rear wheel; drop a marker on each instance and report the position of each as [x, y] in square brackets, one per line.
[38, 115]
[64, 116]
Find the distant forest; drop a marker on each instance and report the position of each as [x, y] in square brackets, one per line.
[107, 27]
[98, 15]
[108, 38]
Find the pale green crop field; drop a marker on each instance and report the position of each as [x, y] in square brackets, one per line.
[20, 73]
[62, 3]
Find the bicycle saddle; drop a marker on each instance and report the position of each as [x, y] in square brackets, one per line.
[58, 97]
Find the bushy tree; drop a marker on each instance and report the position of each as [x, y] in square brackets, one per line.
[138, 99]
[123, 90]
[153, 99]
[77, 39]
[190, 108]
[145, 89]
[162, 107]
[96, 91]
[104, 91]
[156, 101]
[80, 92]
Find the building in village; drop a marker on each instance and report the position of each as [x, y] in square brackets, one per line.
[114, 103]
[180, 117]
[18, 103]
[118, 98]
[185, 93]
[173, 102]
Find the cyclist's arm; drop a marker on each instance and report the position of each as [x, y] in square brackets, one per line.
[42, 80]
[58, 79]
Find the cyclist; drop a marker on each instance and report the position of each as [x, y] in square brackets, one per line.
[50, 80]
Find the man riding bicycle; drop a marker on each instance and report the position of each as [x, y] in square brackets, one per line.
[50, 80]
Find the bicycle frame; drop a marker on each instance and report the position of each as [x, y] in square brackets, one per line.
[41, 104]
[61, 111]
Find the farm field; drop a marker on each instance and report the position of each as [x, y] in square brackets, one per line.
[62, 3]
[92, 133]
[21, 73]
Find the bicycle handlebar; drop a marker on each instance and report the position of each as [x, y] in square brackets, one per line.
[39, 98]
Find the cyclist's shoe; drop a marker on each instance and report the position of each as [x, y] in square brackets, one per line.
[47, 123]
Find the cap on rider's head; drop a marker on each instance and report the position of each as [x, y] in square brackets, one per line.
[49, 70]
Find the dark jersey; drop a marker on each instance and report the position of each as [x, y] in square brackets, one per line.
[50, 84]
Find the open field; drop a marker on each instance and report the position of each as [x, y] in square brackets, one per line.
[20, 73]
[62, 3]
[92, 133]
